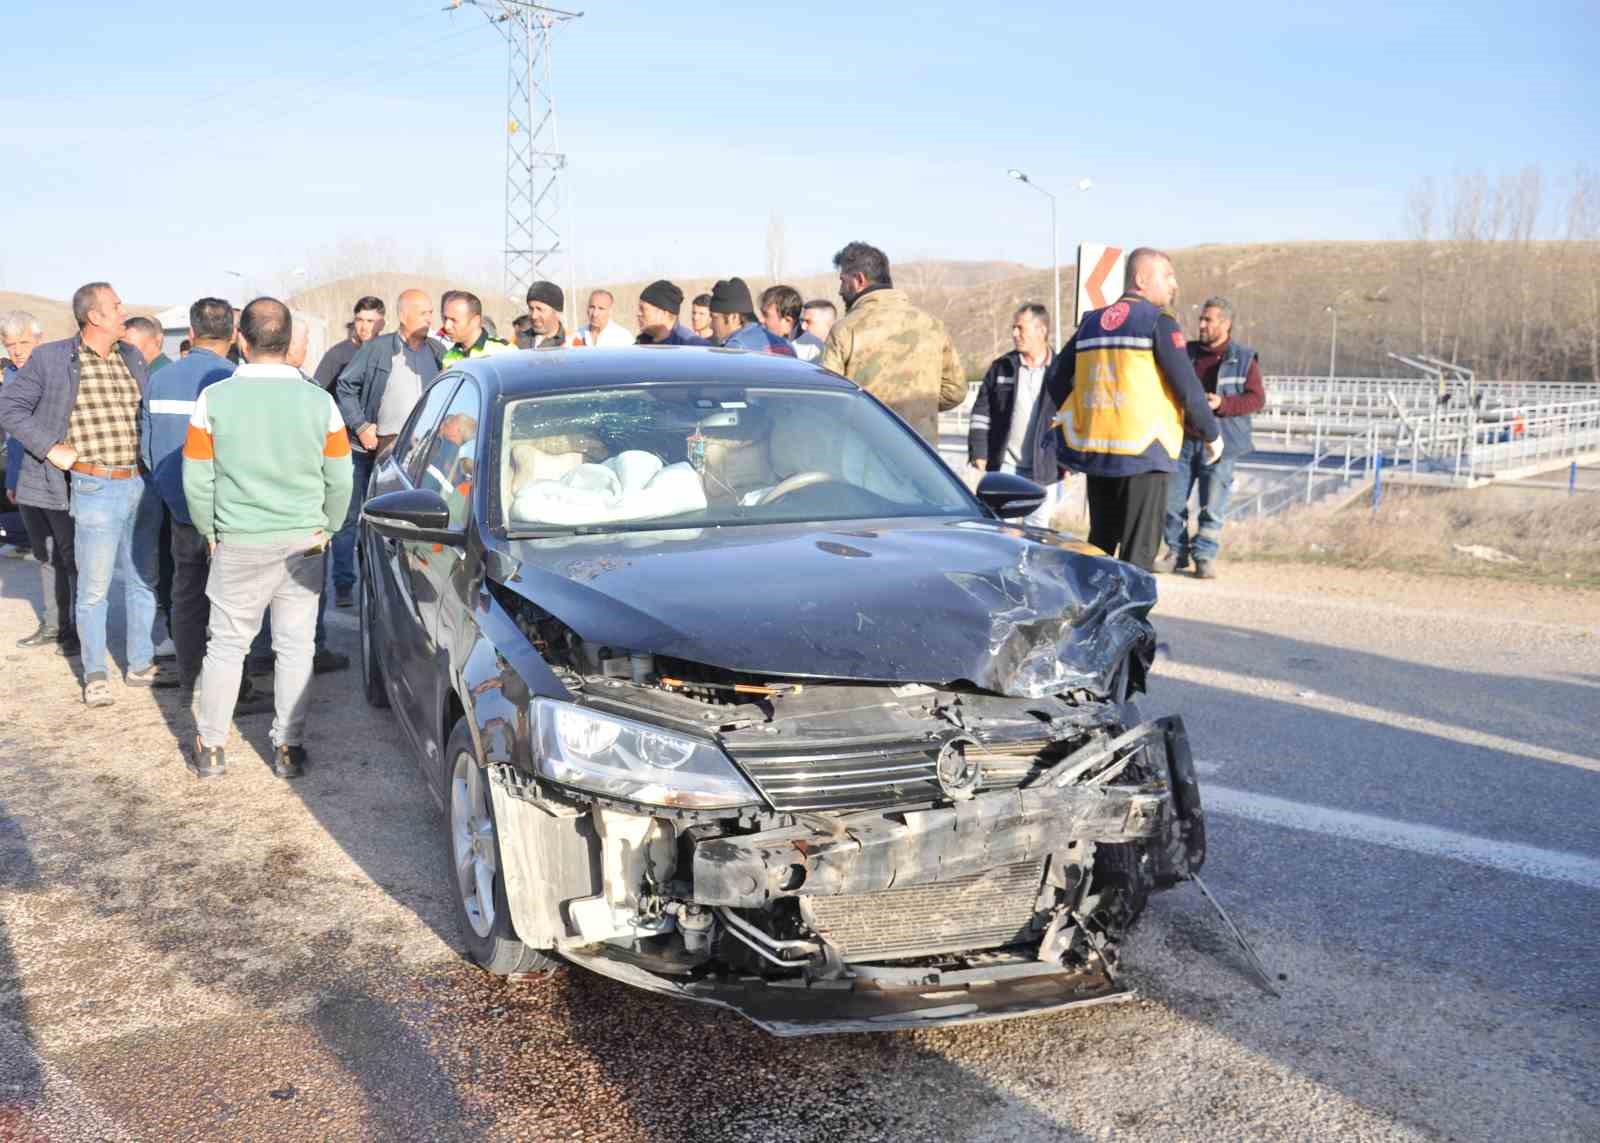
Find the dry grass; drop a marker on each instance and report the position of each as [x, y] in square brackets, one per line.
[1556, 540]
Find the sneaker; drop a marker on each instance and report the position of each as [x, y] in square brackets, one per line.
[289, 761]
[1170, 561]
[344, 596]
[43, 636]
[96, 691]
[207, 761]
[1205, 569]
[165, 652]
[151, 676]
[326, 661]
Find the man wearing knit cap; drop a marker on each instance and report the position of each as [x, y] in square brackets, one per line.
[734, 322]
[546, 303]
[657, 317]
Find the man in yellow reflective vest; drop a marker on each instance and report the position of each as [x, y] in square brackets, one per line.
[463, 325]
[1125, 385]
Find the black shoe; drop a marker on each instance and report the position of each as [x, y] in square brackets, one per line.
[289, 761]
[252, 701]
[344, 596]
[1205, 569]
[68, 645]
[43, 637]
[207, 762]
[326, 661]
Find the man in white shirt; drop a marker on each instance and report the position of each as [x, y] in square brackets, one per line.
[601, 331]
[1012, 409]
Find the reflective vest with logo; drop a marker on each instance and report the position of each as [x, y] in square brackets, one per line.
[1120, 419]
[485, 346]
[1231, 374]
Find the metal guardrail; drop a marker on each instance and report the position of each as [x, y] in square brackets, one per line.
[1375, 392]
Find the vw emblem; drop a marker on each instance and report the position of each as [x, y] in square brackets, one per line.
[958, 774]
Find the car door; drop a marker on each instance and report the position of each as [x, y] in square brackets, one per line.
[438, 572]
[398, 613]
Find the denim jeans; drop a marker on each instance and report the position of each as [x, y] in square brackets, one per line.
[106, 541]
[344, 540]
[1215, 483]
[246, 580]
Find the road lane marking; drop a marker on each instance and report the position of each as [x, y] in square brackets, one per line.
[1207, 767]
[1280, 690]
[1430, 841]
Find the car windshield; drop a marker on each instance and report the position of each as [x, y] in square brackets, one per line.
[690, 455]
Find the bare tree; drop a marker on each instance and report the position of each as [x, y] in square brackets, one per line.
[775, 244]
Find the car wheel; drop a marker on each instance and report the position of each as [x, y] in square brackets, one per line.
[371, 666]
[1121, 879]
[472, 849]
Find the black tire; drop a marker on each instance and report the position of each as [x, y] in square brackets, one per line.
[490, 940]
[372, 684]
[1119, 869]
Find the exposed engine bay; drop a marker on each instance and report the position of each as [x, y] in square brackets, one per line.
[908, 854]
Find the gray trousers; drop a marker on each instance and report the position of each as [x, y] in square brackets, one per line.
[246, 580]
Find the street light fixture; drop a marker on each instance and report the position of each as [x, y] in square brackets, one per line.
[1055, 261]
[1333, 344]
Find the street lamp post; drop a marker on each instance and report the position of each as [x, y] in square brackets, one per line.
[1055, 261]
[1333, 348]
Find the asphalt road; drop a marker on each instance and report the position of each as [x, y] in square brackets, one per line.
[1402, 779]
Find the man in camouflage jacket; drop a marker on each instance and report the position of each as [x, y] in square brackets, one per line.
[893, 350]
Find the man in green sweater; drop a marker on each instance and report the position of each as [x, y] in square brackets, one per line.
[267, 476]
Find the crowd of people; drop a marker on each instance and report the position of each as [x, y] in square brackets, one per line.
[225, 487]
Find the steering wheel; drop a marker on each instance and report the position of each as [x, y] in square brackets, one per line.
[794, 483]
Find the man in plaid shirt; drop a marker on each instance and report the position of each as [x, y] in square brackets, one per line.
[75, 407]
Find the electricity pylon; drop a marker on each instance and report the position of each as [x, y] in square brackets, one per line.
[535, 240]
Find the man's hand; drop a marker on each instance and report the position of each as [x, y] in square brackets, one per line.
[368, 436]
[11, 496]
[1214, 401]
[981, 464]
[62, 455]
[1213, 451]
[211, 547]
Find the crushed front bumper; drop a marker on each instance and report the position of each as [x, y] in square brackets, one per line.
[848, 854]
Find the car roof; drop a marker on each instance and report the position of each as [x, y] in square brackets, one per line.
[529, 372]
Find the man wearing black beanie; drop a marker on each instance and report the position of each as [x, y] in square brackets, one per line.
[657, 316]
[734, 322]
[546, 303]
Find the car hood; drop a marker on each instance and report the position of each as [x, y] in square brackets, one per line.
[1016, 611]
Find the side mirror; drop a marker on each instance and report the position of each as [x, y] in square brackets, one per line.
[413, 514]
[1008, 495]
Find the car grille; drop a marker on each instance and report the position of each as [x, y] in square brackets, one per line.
[858, 778]
[983, 911]
[874, 777]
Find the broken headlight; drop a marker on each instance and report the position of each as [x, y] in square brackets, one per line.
[621, 758]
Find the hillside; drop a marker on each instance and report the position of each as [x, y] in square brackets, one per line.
[1505, 309]
[55, 316]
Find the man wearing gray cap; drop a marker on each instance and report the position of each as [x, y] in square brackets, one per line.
[657, 317]
[546, 303]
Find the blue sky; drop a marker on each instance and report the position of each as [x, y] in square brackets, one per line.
[161, 145]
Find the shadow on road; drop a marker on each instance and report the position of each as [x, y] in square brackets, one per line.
[21, 1082]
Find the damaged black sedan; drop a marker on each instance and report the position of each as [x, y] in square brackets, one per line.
[730, 689]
